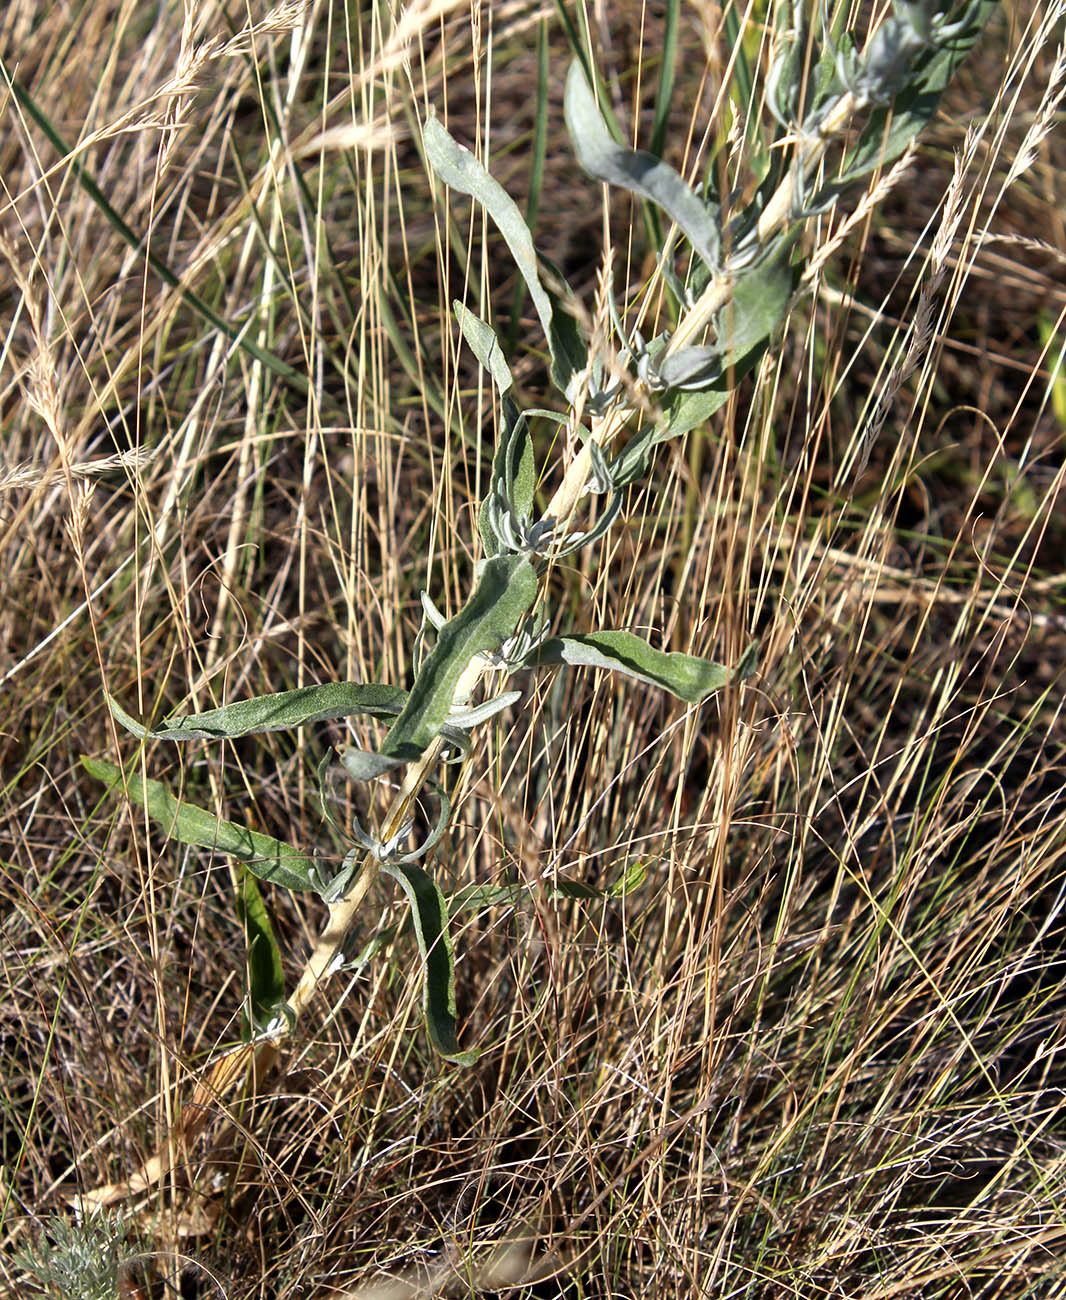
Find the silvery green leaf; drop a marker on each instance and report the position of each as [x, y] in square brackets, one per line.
[434, 617]
[760, 299]
[331, 887]
[758, 305]
[430, 918]
[575, 541]
[458, 168]
[484, 344]
[438, 829]
[601, 479]
[264, 856]
[279, 712]
[691, 369]
[464, 719]
[690, 410]
[634, 170]
[390, 850]
[364, 764]
[687, 676]
[490, 524]
[890, 128]
[513, 481]
[785, 80]
[506, 588]
[513, 462]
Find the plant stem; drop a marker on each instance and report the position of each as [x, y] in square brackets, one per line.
[562, 506]
[231, 1068]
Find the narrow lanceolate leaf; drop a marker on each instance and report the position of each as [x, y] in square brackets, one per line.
[279, 712]
[482, 341]
[458, 168]
[264, 856]
[639, 172]
[266, 978]
[687, 676]
[430, 918]
[504, 592]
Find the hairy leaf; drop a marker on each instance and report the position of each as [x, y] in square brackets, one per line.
[687, 676]
[430, 918]
[634, 170]
[458, 168]
[513, 475]
[891, 127]
[279, 712]
[264, 856]
[266, 978]
[482, 341]
[506, 588]
[758, 305]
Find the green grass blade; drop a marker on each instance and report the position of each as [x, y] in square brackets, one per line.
[281, 711]
[536, 173]
[280, 368]
[264, 856]
[665, 91]
[742, 77]
[429, 916]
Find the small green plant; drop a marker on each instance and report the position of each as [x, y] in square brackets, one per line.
[77, 1260]
[730, 269]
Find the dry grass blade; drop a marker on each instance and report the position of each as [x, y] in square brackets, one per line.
[820, 1050]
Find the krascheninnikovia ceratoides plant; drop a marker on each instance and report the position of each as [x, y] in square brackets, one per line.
[739, 282]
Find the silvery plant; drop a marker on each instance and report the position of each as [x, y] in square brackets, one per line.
[841, 113]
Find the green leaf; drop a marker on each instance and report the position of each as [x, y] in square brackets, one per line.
[664, 92]
[891, 127]
[757, 306]
[631, 879]
[536, 172]
[514, 475]
[506, 588]
[265, 857]
[482, 341]
[266, 978]
[458, 168]
[745, 325]
[279, 712]
[687, 676]
[430, 918]
[637, 171]
[689, 410]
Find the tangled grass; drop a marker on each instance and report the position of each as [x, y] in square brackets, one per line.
[817, 1051]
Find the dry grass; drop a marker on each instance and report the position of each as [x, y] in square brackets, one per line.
[820, 1051]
